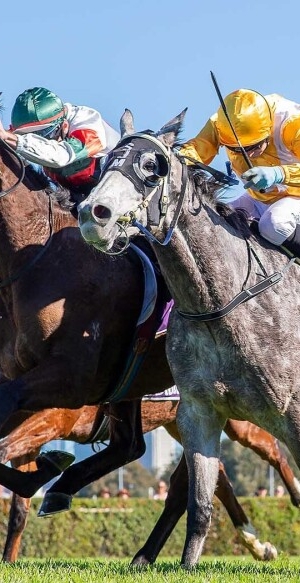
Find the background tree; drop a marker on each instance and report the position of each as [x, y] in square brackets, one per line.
[246, 470]
[136, 479]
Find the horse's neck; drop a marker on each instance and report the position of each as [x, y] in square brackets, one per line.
[26, 223]
[24, 219]
[204, 264]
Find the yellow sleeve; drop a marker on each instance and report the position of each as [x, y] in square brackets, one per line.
[205, 146]
[291, 139]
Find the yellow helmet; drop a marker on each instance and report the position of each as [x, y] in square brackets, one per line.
[250, 115]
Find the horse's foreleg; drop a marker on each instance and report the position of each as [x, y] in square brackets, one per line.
[38, 429]
[268, 449]
[175, 506]
[17, 521]
[200, 429]
[126, 445]
[25, 484]
[245, 531]
[18, 516]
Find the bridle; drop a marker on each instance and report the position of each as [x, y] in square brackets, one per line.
[18, 274]
[157, 189]
[125, 158]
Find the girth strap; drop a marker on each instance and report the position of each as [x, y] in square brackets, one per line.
[241, 298]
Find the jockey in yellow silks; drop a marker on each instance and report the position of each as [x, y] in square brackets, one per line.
[67, 140]
[268, 128]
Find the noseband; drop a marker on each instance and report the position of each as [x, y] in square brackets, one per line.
[125, 158]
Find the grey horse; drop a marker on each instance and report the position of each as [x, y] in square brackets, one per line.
[233, 336]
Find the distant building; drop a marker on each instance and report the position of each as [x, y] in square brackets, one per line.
[161, 449]
[80, 451]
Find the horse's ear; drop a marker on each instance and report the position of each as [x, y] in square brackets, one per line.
[126, 123]
[171, 129]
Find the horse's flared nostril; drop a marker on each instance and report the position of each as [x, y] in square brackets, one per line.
[101, 213]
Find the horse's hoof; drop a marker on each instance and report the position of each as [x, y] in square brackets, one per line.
[53, 503]
[140, 561]
[270, 552]
[58, 460]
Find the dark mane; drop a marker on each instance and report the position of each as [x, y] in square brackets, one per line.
[236, 218]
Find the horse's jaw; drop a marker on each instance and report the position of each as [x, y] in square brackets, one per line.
[97, 236]
[101, 234]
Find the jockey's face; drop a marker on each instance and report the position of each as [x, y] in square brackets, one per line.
[258, 149]
[57, 133]
[253, 151]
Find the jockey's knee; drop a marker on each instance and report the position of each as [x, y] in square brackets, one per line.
[278, 222]
[276, 229]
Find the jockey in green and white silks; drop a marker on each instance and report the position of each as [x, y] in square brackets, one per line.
[67, 140]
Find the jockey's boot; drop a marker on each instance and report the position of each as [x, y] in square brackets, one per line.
[292, 243]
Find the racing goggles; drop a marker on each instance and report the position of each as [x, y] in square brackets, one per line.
[239, 150]
[51, 133]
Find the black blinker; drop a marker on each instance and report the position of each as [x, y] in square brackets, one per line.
[163, 165]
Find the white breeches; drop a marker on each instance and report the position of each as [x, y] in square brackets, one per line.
[277, 221]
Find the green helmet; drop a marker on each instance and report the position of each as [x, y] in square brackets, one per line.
[37, 110]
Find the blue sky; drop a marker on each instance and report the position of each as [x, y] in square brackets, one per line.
[151, 57]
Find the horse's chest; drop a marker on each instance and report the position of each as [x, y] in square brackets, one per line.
[195, 354]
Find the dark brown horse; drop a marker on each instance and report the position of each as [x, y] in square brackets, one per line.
[61, 300]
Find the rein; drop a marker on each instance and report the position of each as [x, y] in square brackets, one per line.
[240, 298]
[6, 146]
[175, 218]
[18, 274]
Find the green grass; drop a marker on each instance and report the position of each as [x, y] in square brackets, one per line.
[209, 570]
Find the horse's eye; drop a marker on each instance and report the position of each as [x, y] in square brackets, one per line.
[150, 166]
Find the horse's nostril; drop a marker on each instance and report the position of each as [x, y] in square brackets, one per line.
[101, 212]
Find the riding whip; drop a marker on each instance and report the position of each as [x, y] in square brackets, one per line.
[219, 94]
[243, 151]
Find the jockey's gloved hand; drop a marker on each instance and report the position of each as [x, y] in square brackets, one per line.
[226, 193]
[262, 177]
